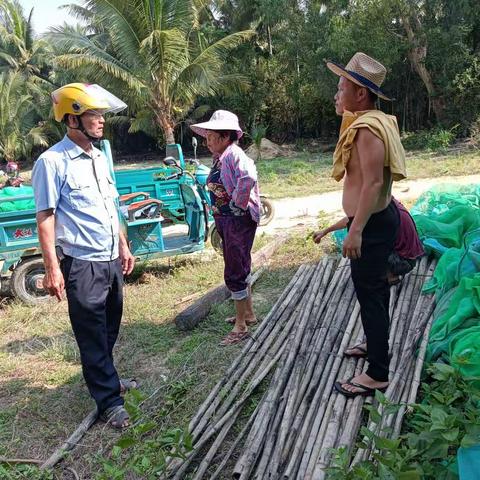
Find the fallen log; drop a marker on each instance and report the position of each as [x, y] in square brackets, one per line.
[193, 314]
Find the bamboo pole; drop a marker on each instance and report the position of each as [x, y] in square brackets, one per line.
[261, 340]
[412, 391]
[245, 464]
[226, 410]
[71, 441]
[299, 419]
[314, 417]
[295, 400]
[207, 459]
[320, 284]
[220, 469]
[313, 398]
[328, 434]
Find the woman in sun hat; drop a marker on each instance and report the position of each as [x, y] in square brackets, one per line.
[235, 200]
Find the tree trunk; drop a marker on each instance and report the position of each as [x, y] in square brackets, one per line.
[417, 55]
[166, 125]
[169, 136]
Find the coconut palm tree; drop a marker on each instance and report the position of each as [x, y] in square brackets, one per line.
[20, 51]
[154, 54]
[19, 128]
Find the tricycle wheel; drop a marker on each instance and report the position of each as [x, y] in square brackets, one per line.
[216, 240]
[267, 211]
[26, 283]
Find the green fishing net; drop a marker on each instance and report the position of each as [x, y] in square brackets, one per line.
[455, 313]
[448, 222]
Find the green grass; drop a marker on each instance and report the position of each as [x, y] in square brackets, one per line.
[310, 174]
[43, 397]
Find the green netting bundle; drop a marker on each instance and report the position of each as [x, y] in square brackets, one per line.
[455, 264]
[457, 312]
[441, 198]
[448, 223]
[9, 193]
[444, 214]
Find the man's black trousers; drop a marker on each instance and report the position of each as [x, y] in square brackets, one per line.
[95, 303]
[369, 275]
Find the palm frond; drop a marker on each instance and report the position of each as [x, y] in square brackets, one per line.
[166, 50]
[105, 69]
[203, 75]
[79, 12]
[121, 27]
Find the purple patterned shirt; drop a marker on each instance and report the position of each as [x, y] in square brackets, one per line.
[238, 175]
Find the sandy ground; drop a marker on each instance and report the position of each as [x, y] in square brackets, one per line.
[304, 211]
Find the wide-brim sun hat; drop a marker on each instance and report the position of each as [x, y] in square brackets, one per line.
[220, 120]
[364, 71]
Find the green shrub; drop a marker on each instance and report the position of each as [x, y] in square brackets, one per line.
[433, 140]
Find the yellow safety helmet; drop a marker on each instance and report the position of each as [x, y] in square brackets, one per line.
[77, 98]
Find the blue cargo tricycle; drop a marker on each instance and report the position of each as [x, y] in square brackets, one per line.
[165, 215]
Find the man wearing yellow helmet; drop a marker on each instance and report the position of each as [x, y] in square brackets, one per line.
[84, 250]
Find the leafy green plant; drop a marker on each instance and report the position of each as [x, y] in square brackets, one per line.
[21, 472]
[141, 450]
[447, 418]
[258, 134]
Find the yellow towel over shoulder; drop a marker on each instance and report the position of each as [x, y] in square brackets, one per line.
[381, 125]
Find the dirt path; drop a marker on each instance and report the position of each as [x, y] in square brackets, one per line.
[304, 211]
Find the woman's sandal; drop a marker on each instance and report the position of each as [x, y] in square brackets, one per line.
[231, 321]
[233, 338]
[127, 384]
[116, 416]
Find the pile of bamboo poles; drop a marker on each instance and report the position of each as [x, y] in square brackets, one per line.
[297, 352]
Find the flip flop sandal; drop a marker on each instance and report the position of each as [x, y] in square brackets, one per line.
[127, 384]
[364, 392]
[231, 321]
[233, 338]
[360, 347]
[115, 417]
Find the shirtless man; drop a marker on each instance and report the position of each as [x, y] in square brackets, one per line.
[368, 168]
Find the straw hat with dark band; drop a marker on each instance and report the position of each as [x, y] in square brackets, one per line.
[364, 71]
